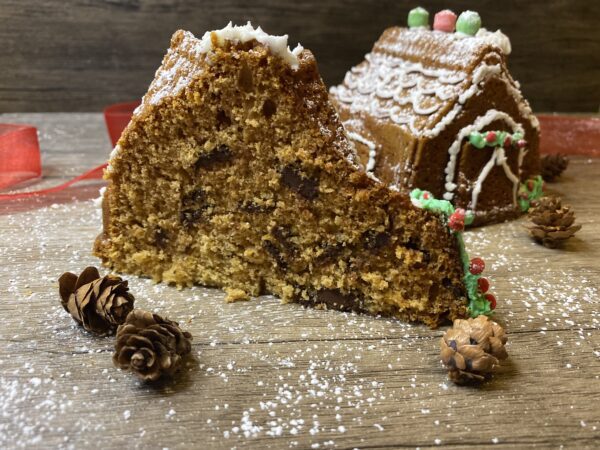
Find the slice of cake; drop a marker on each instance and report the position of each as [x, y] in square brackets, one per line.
[438, 110]
[235, 172]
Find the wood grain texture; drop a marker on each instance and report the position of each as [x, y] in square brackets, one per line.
[266, 375]
[80, 55]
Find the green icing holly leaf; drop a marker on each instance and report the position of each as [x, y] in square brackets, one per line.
[529, 191]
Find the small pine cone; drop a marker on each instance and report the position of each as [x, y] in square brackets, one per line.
[99, 304]
[553, 166]
[150, 346]
[552, 222]
[472, 348]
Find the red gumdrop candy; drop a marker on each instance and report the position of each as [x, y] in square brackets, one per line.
[490, 137]
[490, 298]
[477, 265]
[483, 284]
[444, 21]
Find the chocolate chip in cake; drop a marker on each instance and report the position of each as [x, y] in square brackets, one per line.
[296, 181]
[219, 154]
[251, 207]
[374, 240]
[330, 251]
[413, 243]
[269, 108]
[223, 120]
[193, 205]
[336, 299]
[275, 253]
[161, 238]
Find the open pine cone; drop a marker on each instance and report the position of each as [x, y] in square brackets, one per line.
[552, 222]
[99, 304]
[472, 348]
[553, 166]
[150, 346]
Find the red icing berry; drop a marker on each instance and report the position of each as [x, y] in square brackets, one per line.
[477, 265]
[483, 284]
[490, 298]
[460, 213]
[507, 141]
[490, 137]
[426, 195]
[530, 185]
[521, 143]
[456, 221]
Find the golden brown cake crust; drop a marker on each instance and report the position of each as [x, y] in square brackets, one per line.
[243, 179]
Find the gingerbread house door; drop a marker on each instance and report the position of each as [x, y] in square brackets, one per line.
[487, 168]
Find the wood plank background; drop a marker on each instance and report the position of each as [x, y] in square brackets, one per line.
[267, 375]
[80, 55]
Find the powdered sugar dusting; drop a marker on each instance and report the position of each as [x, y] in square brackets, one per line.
[344, 373]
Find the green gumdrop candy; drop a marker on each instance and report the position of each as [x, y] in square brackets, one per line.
[477, 140]
[468, 22]
[418, 17]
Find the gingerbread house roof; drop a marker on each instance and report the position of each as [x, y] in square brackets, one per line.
[420, 79]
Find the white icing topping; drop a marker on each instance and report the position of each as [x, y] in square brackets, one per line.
[497, 38]
[278, 45]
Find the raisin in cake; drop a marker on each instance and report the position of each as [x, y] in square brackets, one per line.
[235, 172]
[439, 111]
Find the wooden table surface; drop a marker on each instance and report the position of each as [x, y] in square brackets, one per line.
[267, 375]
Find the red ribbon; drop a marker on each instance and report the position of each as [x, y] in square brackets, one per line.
[20, 152]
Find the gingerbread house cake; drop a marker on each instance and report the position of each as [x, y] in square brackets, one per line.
[438, 110]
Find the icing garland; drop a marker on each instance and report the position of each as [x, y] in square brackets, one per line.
[497, 139]
[530, 191]
[480, 301]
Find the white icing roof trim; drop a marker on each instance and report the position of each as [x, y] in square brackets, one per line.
[497, 38]
[277, 44]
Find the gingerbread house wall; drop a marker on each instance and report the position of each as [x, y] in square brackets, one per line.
[432, 157]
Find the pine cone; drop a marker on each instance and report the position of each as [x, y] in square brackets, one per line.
[99, 304]
[472, 348]
[553, 166]
[150, 346]
[552, 222]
